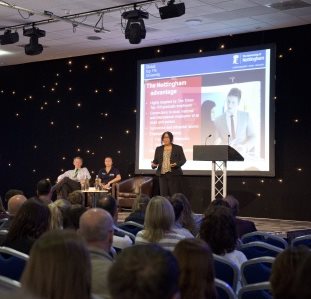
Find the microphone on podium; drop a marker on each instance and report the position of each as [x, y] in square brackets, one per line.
[229, 139]
[210, 135]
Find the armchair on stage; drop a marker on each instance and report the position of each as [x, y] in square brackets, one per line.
[127, 190]
[219, 155]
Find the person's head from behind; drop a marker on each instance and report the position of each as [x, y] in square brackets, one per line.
[96, 226]
[58, 267]
[108, 162]
[196, 265]
[302, 284]
[140, 203]
[233, 203]
[233, 100]
[159, 218]
[77, 162]
[108, 203]
[56, 221]
[178, 207]
[15, 203]
[31, 221]
[218, 229]
[43, 187]
[284, 271]
[76, 197]
[218, 202]
[167, 138]
[72, 216]
[144, 271]
[10, 193]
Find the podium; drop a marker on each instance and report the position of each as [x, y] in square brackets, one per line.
[219, 155]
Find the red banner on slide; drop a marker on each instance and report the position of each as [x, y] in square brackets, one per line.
[172, 105]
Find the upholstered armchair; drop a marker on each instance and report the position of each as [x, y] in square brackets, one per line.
[127, 190]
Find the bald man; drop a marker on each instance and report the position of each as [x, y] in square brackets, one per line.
[96, 226]
[14, 204]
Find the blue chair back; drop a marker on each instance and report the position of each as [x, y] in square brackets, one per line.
[224, 291]
[131, 227]
[226, 271]
[302, 240]
[7, 284]
[256, 270]
[265, 237]
[259, 249]
[260, 290]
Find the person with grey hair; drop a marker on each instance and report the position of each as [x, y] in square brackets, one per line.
[243, 226]
[96, 226]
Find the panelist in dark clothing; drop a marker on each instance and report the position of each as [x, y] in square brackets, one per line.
[109, 174]
[168, 159]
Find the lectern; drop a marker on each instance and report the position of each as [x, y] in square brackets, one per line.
[219, 155]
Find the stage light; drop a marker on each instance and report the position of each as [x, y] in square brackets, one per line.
[9, 38]
[33, 48]
[172, 10]
[135, 29]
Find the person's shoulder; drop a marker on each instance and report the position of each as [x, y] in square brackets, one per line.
[176, 146]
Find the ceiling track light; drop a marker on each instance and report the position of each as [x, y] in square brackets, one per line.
[9, 37]
[172, 10]
[33, 48]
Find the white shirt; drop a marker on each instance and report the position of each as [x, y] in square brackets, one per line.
[82, 174]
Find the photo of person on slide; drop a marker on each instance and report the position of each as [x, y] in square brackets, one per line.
[208, 128]
[236, 127]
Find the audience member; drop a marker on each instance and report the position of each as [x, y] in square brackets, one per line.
[139, 209]
[56, 217]
[73, 215]
[144, 271]
[76, 198]
[14, 204]
[284, 272]
[159, 221]
[178, 207]
[219, 231]
[196, 265]
[96, 226]
[44, 191]
[10, 193]
[30, 222]
[58, 267]
[243, 226]
[302, 284]
[120, 239]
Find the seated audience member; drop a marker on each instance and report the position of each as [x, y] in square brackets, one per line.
[178, 207]
[219, 231]
[159, 222]
[71, 179]
[284, 272]
[302, 284]
[63, 205]
[196, 265]
[56, 217]
[109, 174]
[10, 193]
[243, 226]
[120, 239]
[144, 272]
[72, 218]
[96, 226]
[44, 191]
[58, 267]
[30, 222]
[139, 209]
[14, 204]
[76, 198]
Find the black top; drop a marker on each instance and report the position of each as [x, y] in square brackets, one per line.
[108, 176]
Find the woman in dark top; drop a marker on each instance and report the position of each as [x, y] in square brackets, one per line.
[109, 174]
[30, 222]
[139, 208]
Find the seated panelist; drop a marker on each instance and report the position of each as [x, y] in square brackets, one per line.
[109, 174]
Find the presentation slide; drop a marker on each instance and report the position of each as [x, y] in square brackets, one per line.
[219, 98]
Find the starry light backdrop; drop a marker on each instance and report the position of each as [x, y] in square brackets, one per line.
[86, 106]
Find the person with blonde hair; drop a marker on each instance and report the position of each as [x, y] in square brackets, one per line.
[159, 221]
[197, 273]
[56, 217]
[58, 267]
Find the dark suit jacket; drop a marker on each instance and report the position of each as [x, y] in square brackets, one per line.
[177, 156]
[244, 226]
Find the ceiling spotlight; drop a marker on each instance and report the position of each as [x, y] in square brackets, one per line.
[33, 48]
[135, 29]
[172, 10]
[9, 38]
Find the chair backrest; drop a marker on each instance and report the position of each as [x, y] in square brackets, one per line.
[224, 291]
[130, 235]
[302, 240]
[256, 270]
[259, 249]
[12, 263]
[226, 271]
[260, 290]
[264, 237]
[7, 284]
[131, 227]
[3, 220]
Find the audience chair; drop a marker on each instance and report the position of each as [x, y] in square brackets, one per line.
[3, 220]
[224, 290]
[3, 234]
[256, 270]
[12, 263]
[259, 249]
[127, 190]
[302, 240]
[226, 271]
[130, 235]
[264, 237]
[260, 290]
[131, 227]
[7, 284]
